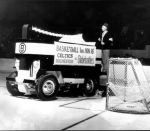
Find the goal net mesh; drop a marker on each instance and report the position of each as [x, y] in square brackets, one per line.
[128, 89]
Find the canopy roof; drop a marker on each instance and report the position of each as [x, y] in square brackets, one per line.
[75, 39]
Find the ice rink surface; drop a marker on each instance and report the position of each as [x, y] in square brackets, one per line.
[63, 113]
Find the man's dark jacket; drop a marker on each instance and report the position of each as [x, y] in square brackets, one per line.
[108, 43]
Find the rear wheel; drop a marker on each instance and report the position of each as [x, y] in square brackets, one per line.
[12, 87]
[89, 87]
[47, 88]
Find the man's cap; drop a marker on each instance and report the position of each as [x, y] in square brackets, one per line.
[105, 24]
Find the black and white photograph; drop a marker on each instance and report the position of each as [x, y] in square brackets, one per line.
[74, 64]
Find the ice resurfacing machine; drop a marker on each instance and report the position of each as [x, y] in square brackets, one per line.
[45, 68]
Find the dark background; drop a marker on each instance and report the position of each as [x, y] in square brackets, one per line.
[76, 16]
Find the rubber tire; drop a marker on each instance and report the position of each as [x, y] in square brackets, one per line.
[13, 89]
[85, 90]
[39, 90]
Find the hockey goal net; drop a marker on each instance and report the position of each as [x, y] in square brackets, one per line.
[128, 89]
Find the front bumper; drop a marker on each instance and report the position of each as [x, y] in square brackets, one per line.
[25, 86]
[24, 81]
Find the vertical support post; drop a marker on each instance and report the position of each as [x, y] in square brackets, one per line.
[26, 31]
[125, 80]
[114, 74]
[107, 96]
[107, 89]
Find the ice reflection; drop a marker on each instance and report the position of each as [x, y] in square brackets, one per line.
[36, 118]
[26, 116]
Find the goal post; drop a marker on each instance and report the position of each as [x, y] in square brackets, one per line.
[128, 89]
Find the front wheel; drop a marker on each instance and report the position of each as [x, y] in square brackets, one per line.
[47, 88]
[12, 87]
[89, 88]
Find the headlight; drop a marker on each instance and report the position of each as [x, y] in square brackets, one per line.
[17, 63]
[34, 68]
[36, 64]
